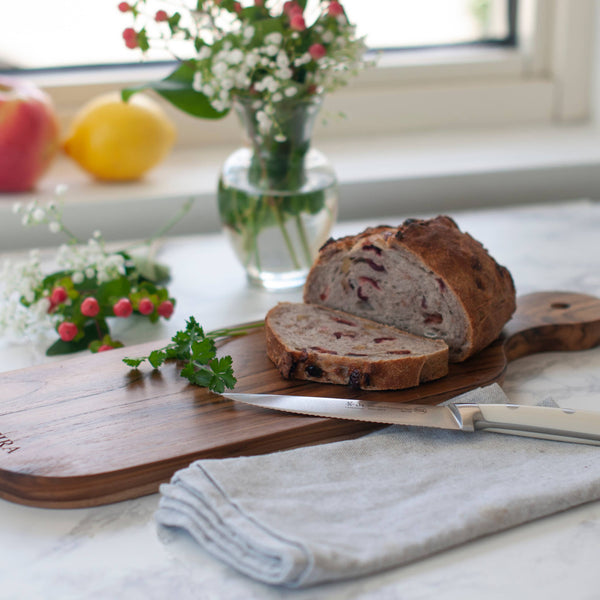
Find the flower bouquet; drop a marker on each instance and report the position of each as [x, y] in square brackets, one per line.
[273, 62]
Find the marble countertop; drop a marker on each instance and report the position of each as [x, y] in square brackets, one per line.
[115, 551]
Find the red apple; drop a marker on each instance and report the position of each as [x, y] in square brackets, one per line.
[29, 134]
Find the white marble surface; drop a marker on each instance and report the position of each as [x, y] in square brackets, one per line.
[115, 551]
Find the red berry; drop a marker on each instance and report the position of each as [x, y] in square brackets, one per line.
[237, 7]
[67, 331]
[317, 51]
[130, 37]
[123, 308]
[104, 348]
[165, 309]
[124, 7]
[161, 15]
[146, 306]
[297, 22]
[291, 7]
[335, 9]
[58, 295]
[90, 307]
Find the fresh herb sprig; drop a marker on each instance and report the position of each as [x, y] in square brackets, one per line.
[197, 351]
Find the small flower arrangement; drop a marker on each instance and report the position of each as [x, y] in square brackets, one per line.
[91, 285]
[272, 51]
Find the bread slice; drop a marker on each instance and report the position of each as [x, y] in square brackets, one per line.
[425, 276]
[306, 341]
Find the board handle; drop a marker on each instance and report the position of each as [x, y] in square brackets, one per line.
[552, 321]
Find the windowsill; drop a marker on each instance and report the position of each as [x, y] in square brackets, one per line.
[379, 176]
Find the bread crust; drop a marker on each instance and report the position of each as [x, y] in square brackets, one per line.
[398, 372]
[484, 289]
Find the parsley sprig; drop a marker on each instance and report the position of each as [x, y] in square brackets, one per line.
[197, 351]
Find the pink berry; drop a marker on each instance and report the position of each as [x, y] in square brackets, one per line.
[165, 309]
[291, 7]
[130, 37]
[123, 308]
[58, 295]
[297, 22]
[335, 9]
[90, 307]
[146, 306]
[237, 7]
[317, 51]
[259, 3]
[124, 7]
[67, 331]
[104, 348]
[161, 15]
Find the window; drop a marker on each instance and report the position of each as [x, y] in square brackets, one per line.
[96, 34]
[501, 62]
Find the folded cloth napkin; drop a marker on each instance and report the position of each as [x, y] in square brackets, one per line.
[345, 509]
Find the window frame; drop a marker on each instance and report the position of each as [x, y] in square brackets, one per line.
[545, 80]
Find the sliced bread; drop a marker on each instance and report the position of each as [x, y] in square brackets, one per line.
[425, 276]
[307, 341]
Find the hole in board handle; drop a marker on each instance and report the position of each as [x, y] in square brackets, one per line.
[560, 305]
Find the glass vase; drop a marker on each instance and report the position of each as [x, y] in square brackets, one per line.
[278, 197]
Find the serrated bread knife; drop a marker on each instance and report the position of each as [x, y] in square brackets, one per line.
[561, 424]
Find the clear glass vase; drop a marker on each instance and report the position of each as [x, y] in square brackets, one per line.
[278, 197]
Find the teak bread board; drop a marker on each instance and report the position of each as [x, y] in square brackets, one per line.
[89, 431]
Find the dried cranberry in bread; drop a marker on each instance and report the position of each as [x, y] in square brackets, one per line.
[426, 277]
[306, 341]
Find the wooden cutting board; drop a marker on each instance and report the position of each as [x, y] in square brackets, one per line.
[89, 430]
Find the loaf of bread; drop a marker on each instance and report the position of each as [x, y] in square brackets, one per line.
[425, 277]
[307, 341]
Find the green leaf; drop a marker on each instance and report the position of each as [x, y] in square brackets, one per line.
[203, 350]
[133, 362]
[203, 377]
[188, 372]
[177, 89]
[157, 358]
[113, 289]
[149, 269]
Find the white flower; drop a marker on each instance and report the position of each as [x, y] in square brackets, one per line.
[284, 74]
[61, 189]
[274, 38]
[280, 137]
[277, 97]
[204, 53]
[328, 37]
[264, 121]
[219, 69]
[251, 60]
[282, 59]
[197, 82]
[248, 32]
[235, 57]
[208, 89]
[290, 91]
[17, 207]
[54, 226]
[38, 215]
[270, 50]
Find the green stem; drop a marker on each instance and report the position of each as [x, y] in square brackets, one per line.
[234, 331]
[284, 233]
[168, 225]
[303, 238]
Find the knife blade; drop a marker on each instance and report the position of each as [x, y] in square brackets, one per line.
[562, 424]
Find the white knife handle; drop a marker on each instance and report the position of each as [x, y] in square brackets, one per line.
[540, 421]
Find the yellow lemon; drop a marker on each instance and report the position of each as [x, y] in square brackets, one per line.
[119, 141]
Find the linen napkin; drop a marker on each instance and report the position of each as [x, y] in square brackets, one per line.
[345, 509]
